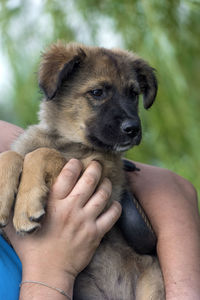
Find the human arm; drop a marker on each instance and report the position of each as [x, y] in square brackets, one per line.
[170, 202]
[8, 133]
[70, 234]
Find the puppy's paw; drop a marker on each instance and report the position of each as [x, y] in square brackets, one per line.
[23, 225]
[5, 195]
[3, 220]
[37, 215]
[29, 209]
[10, 169]
[40, 169]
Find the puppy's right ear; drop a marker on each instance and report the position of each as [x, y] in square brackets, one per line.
[58, 63]
[147, 81]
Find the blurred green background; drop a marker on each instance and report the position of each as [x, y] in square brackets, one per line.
[165, 33]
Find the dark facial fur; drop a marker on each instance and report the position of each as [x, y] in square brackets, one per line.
[92, 95]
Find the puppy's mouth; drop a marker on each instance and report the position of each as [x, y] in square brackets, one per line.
[122, 147]
[116, 147]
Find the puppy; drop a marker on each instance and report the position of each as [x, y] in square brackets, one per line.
[90, 112]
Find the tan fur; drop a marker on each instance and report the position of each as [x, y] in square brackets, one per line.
[116, 271]
[33, 190]
[9, 181]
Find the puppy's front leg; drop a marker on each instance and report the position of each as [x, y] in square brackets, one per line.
[40, 169]
[10, 170]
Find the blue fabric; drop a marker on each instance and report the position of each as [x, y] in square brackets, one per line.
[10, 272]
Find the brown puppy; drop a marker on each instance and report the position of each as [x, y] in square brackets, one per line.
[90, 112]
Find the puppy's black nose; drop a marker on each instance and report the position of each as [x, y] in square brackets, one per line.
[130, 127]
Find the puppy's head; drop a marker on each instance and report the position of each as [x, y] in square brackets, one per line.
[91, 95]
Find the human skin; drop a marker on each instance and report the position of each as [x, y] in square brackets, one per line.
[171, 205]
[72, 230]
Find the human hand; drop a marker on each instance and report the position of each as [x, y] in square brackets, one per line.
[72, 229]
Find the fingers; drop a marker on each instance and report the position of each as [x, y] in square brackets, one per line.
[66, 180]
[99, 200]
[106, 221]
[87, 184]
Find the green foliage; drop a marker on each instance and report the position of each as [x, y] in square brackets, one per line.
[165, 33]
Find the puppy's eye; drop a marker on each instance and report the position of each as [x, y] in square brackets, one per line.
[96, 93]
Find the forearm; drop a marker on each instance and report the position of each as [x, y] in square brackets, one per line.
[179, 252]
[180, 266]
[44, 269]
[52, 281]
[171, 205]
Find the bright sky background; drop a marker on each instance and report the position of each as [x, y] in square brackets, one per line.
[106, 37]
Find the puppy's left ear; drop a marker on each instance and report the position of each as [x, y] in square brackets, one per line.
[59, 64]
[147, 81]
